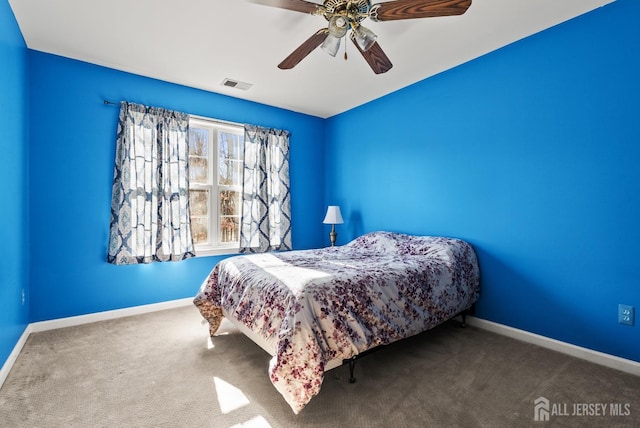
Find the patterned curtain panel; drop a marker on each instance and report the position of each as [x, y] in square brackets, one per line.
[266, 204]
[150, 196]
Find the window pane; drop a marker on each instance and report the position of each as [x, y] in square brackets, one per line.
[199, 202]
[230, 145]
[198, 142]
[200, 230]
[229, 172]
[229, 202]
[198, 155]
[198, 170]
[229, 158]
[235, 145]
[236, 173]
[229, 229]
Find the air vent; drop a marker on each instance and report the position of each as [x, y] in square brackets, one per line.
[236, 84]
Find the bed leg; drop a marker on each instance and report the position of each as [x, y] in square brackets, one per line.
[464, 318]
[352, 366]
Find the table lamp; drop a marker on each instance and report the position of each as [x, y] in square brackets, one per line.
[333, 217]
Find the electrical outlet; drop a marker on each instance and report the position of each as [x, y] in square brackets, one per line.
[24, 297]
[626, 314]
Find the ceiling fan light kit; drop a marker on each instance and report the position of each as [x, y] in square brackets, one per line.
[345, 15]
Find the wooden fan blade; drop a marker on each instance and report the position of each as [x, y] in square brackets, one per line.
[304, 49]
[296, 5]
[375, 57]
[410, 9]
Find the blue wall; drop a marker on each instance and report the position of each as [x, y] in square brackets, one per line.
[14, 236]
[532, 154]
[71, 170]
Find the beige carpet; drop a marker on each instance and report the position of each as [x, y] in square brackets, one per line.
[160, 370]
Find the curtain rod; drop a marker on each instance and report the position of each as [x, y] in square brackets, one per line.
[222, 122]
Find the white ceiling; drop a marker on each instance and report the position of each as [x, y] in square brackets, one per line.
[199, 43]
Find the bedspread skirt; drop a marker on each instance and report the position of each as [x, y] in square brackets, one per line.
[314, 306]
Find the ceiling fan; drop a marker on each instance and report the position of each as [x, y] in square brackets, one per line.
[346, 15]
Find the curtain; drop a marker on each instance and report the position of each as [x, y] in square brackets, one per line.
[266, 197]
[150, 195]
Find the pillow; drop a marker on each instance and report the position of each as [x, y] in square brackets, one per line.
[376, 242]
[433, 246]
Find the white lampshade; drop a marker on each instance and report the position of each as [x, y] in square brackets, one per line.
[365, 38]
[338, 26]
[331, 45]
[333, 215]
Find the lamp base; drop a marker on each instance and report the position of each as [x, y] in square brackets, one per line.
[332, 236]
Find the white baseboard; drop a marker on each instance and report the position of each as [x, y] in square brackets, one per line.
[13, 356]
[607, 360]
[37, 327]
[84, 319]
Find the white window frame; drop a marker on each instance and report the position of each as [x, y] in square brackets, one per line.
[214, 246]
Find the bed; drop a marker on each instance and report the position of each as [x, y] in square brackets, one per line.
[314, 309]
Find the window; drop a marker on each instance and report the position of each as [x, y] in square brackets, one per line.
[215, 174]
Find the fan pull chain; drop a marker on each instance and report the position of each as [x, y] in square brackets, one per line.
[345, 48]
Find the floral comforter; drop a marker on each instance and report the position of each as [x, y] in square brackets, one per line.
[315, 306]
